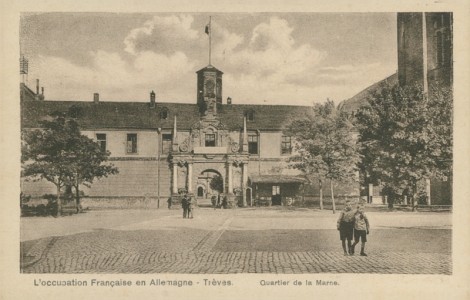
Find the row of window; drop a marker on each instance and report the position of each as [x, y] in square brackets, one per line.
[286, 144]
[210, 141]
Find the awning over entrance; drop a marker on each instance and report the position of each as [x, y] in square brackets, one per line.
[277, 179]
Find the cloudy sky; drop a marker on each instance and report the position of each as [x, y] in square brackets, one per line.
[272, 58]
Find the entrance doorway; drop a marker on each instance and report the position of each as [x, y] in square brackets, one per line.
[276, 195]
[213, 182]
[200, 192]
[249, 194]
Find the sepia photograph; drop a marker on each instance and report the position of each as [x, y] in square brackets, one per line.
[237, 151]
[236, 143]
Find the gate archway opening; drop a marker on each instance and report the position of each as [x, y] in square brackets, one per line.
[214, 185]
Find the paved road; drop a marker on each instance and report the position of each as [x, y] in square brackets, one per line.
[232, 241]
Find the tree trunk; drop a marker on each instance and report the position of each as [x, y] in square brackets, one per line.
[77, 195]
[321, 194]
[390, 200]
[332, 196]
[414, 196]
[59, 201]
[77, 198]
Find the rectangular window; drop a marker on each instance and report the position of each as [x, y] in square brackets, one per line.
[167, 139]
[101, 139]
[210, 140]
[253, 144]
[131, 143]
[286, 145]
[276, 190]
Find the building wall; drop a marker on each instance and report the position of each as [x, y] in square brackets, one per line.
[410, 47]
[441, 192]
[37, 188]
[270, 144]
[149, 173]
[437, 57]
[116, 142]
[136, 178]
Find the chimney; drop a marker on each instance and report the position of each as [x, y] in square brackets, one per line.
[96, 97]
[229, 100]
[152, 99]
[37, 86]
[41, 97]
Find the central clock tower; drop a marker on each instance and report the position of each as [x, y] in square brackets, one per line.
[209, 90]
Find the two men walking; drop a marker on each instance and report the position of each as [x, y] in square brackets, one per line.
[188, 206]
[353, 222]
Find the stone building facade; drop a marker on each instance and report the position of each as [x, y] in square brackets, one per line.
[425, 58]
[162, 148]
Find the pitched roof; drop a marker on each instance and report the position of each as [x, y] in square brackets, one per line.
[210, 68]
[140, 115]
[277, 179]
[356, 101]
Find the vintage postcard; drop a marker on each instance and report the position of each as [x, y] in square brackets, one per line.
[220, 150]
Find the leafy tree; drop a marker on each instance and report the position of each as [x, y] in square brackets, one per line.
[217, 183]
[86, 164]
[61, 155]
[406, 136]
[325, 146]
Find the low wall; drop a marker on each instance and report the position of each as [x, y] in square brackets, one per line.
[123, 202]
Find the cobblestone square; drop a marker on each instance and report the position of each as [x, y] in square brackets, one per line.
[262, 240]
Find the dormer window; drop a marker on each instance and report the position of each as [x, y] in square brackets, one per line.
[164, 113]
[250, 115]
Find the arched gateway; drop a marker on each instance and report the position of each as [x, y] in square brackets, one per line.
[213, 182]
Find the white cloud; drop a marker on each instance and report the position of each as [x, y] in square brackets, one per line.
[261, 71]
[272, 50]
[269, 67]
[356, 75]
[169, 32]
[225, 41]
[160, 67]
[118, 80]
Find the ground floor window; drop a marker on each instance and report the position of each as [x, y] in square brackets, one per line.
[276, 195]
[276, 190]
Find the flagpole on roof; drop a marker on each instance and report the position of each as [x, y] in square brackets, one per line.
[208, 31]
[210, 36]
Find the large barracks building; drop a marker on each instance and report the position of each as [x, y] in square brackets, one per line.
[161, 148]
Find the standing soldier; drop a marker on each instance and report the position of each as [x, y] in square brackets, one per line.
[190, 206]
[169, 202]
[361, 229]
[184, 204]
[214, 201]
[345, 225]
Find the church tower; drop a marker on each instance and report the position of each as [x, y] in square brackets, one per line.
[209, 90]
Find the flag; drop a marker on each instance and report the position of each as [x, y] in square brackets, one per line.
[208, 28]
